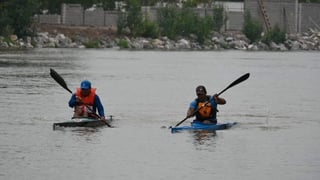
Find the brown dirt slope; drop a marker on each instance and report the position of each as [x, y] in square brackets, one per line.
[76, 31]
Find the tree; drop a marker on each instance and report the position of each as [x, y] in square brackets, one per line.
[134, 17]
[16, 15]
[108, 4]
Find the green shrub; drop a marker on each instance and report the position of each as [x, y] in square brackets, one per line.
[252, 29]
[190, 3]
[203, 29]
[92, 44]
[123, 44]
[134, 17]
[167, 21]
[7, 31]
[121, 23]
[275, 35]
[150, 29]
[218, 18]
[174, 22]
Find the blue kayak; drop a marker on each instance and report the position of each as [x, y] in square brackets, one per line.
[203, 126]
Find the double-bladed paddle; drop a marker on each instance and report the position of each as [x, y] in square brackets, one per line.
[239, 80]
[63, 83]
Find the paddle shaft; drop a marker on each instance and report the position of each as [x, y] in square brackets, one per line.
[63, 83]
[237, 81]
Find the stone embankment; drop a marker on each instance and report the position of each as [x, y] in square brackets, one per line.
[220, 41]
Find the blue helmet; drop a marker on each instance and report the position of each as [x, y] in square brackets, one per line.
[85, 84]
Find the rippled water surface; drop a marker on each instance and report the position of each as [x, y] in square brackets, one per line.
[277, 110]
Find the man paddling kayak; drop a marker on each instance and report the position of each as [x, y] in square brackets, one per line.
[85, 102]
[204, 107]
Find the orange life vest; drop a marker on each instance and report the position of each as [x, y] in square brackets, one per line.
[205, 109]
[88, 101]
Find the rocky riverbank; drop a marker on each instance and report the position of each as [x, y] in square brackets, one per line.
[90, 37]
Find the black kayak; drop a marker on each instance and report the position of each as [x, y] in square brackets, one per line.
[83, 122]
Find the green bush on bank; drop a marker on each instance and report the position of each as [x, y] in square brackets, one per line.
[167, 21]
[218, 18]
[121, 23]
[203, 30]
[172, 22]
[175, 22]
[150, 29]
[123, 44]
[134, 19]
[252, 28]
[274, 35]
[92, 44]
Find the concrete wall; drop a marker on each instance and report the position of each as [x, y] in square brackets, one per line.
[280, 12]
[309, 16]
[94, 17]
[111, 18]
[72, 14]
[235, 21]
[49, 18]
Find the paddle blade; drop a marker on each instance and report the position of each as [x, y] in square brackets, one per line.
[239, 80]
[59, 79]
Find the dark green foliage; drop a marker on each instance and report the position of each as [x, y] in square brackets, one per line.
[167, 21]
[218, 18]
[174, 22]
[134, 21]
[187, 21]
[16, 16]
[123, 44]
[252, 29]
[121, 23]
[190, 3]
[108, 4]
[6, 31]
[92, 44]
[134, 17]
[275, 35]
[150, 29]
[148, 2]
[203, 29]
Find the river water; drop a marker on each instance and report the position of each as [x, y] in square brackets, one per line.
[277, 110]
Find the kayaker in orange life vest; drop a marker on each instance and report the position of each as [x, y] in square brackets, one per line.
[204, 107]
[85, 102]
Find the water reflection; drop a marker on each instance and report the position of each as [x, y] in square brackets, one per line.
[204, 139]
[85, 133]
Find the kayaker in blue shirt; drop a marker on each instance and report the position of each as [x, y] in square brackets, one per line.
[204, 107]
[85, 102]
